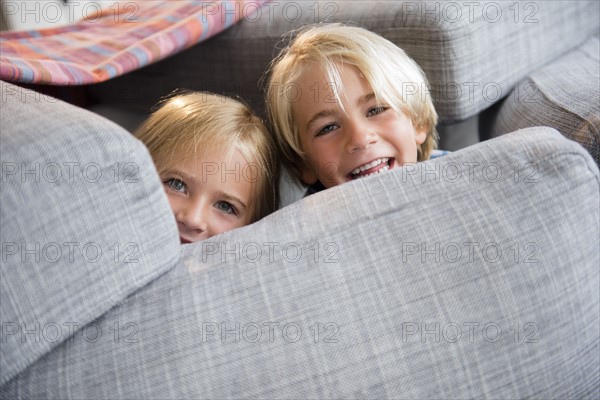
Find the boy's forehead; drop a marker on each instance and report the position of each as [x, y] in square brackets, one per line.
[329, 69]
[329, 86]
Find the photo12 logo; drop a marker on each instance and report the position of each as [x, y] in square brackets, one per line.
[268, 331]
[54, 332]
[70, 252]
[54, 172]
[468, 331]
[23, 95]
[47, 13]
[470, 11]
[253, 252]
[453, 252]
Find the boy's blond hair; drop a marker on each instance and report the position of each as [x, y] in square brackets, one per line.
[395, 78]
[190, 124]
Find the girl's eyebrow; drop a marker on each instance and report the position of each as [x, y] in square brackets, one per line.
[176, 172]
[232, 199]
[190, 179]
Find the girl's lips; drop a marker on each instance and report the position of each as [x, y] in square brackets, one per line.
[184, 241]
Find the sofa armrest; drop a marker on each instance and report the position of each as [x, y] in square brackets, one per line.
[85, 223]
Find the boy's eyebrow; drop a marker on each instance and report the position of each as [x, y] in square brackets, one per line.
[326, 113]
[365, 99]
[320, 114]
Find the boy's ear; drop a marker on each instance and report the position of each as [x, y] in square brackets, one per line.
[421, 134]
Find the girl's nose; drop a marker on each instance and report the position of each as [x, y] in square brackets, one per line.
[194, 217]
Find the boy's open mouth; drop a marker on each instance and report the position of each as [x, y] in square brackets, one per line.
[374, 167]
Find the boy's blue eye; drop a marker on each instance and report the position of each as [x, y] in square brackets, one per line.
[176, 184]
[326, 129]
[226, 207]
[376, 110]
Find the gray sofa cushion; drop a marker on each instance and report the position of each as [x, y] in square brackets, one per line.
[468, 276]
[472, 52]
[85, 223]
[564, 95]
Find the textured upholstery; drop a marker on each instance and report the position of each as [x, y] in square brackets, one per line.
[564, 95]
[472, 275]
[85, 223]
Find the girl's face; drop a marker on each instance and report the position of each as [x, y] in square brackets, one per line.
[363, 138]
[211, 195]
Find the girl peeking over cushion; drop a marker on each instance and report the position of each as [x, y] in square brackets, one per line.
[216, 161]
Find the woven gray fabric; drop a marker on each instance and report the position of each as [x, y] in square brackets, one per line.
[472, 275]
[85, 223]
[564, 95]
[473, 53]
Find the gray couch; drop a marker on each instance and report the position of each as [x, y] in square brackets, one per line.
[472, 275]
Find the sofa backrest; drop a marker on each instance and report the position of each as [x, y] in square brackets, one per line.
[473, 53]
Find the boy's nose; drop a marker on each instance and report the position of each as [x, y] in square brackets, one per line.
[360, 137]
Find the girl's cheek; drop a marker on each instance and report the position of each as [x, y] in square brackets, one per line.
[226, 223]
[218, 225]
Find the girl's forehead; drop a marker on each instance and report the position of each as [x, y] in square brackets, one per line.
[182, 153]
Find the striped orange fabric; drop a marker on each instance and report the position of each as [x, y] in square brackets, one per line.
[115, 40]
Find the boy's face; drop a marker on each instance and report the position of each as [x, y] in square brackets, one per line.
[210, 195]
[367, 138]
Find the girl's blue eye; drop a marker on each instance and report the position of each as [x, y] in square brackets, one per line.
[326, 129]
[226, 207]
[176, 184]
[376, 110]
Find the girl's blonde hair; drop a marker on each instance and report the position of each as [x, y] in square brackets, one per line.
[189, 124]
[395, 78]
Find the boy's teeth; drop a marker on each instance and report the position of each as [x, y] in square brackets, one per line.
[370, 165]
[376, 172]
